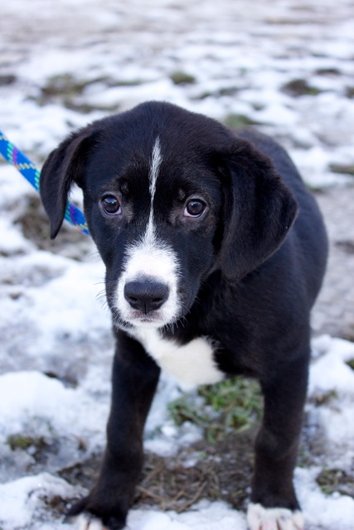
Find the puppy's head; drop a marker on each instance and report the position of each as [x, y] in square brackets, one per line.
[169, 196]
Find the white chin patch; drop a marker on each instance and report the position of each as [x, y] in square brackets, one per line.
[260, 518]
[86, 522]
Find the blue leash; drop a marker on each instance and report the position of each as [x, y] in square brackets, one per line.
[26, 167]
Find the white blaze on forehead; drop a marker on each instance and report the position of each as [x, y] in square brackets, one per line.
[156, 159]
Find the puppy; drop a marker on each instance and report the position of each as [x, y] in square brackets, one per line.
[215, 252]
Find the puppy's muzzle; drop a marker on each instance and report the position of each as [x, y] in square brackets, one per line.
[146, 294]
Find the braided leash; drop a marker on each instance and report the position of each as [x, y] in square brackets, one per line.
[27, 168]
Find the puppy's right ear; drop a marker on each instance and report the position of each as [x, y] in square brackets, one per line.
[64, 166]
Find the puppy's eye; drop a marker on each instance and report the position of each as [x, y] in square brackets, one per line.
[194, 208]
[110, 204]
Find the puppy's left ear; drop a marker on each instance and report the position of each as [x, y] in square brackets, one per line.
[260, 210]
[63, 166]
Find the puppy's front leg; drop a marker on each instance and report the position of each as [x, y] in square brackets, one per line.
[135, 377]
[274, 503]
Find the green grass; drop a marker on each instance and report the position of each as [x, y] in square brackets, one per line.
[300, 87]
[236, 121]
[23, 442]
[234, 404]
[350, 363]
[344, 169]
[335, 480]
[180, 77]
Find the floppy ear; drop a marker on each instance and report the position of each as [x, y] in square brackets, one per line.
[260, 210]
[63, 166]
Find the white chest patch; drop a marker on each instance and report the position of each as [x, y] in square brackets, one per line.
[190, 364]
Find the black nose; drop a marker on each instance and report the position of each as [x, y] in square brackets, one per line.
[146, 294]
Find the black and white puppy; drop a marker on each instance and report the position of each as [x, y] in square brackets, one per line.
[214, 252]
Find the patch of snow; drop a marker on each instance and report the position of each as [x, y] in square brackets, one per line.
[20, 498]
[330, 372]
[203, 516]
[331, 376]
[12, 242]
[323, 511]
[27, 395]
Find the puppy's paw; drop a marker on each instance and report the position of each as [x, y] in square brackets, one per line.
[261, 518]
[84, 515]
[87, 522]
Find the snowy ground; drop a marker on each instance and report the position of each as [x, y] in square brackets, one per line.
[285, 65]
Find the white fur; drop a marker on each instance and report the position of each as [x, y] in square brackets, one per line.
[191, 364]
[150, 257]
[156, 160]
[260, 518]
[86, 522]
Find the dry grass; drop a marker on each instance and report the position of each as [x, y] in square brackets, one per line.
[219, 471]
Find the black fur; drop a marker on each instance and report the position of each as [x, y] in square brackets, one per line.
[250, 272]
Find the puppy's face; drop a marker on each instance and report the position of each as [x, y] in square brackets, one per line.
[169, 196]
[154, 217]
